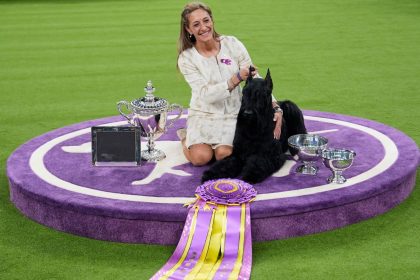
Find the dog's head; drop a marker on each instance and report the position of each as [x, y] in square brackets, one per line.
[256, 99]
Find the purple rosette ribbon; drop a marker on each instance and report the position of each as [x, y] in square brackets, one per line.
[216, 242]
[226, 192]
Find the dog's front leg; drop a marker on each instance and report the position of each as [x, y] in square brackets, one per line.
[229, 167]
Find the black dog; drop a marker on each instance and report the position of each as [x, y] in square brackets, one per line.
[256, 154]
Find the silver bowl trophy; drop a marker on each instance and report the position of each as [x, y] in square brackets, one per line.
[337, 160]
[309, 148]
[150, 113]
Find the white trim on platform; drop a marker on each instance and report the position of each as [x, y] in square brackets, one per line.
[37, 165]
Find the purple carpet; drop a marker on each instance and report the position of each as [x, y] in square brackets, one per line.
[53, 182]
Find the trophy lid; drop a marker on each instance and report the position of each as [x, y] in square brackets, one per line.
[150, 104]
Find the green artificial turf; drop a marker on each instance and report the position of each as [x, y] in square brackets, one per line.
[62, 62]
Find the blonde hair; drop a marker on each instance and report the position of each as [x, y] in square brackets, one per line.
[184, 41]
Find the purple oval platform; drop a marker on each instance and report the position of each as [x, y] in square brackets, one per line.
[53, 182]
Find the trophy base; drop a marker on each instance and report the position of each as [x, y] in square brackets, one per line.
[307, 169]
[152, 155]
[336, 179]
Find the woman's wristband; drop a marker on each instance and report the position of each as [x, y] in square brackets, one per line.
[238, 75]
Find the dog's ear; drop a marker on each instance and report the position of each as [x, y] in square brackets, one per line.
[268, 81]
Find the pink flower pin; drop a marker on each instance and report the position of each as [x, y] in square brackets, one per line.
[226, 61]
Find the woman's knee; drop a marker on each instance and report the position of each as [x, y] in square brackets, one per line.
[222, 151]
[200, 155]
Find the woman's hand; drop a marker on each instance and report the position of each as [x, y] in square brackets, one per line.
[240, 76]
[244, 72]
[278, 118]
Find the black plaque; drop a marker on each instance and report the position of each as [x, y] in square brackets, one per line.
[116, 146]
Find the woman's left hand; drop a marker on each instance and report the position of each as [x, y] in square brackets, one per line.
[244, 73]
[278, 118]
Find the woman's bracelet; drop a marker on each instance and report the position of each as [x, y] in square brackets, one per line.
[238, 75]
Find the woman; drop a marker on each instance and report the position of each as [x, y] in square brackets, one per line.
[213, 66]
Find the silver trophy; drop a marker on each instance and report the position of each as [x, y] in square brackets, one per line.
[150, 113]
[309, 148]
[337, 160]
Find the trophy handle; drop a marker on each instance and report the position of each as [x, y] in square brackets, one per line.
[119, 104]
[172, 108]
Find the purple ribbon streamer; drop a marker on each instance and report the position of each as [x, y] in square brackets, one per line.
[197, 245]
[179, 248]
[245, 272]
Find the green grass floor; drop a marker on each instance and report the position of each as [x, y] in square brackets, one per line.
[62, 62]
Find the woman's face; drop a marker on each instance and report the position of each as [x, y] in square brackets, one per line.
[200, 25]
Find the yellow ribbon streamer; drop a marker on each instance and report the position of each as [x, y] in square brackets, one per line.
[214, 249]
[222, 243]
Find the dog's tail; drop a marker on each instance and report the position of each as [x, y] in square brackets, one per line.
[293, 123]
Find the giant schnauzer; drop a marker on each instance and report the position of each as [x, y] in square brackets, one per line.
[256, 154]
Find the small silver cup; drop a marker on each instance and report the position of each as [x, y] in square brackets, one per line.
[309, 148]
[337, 160]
